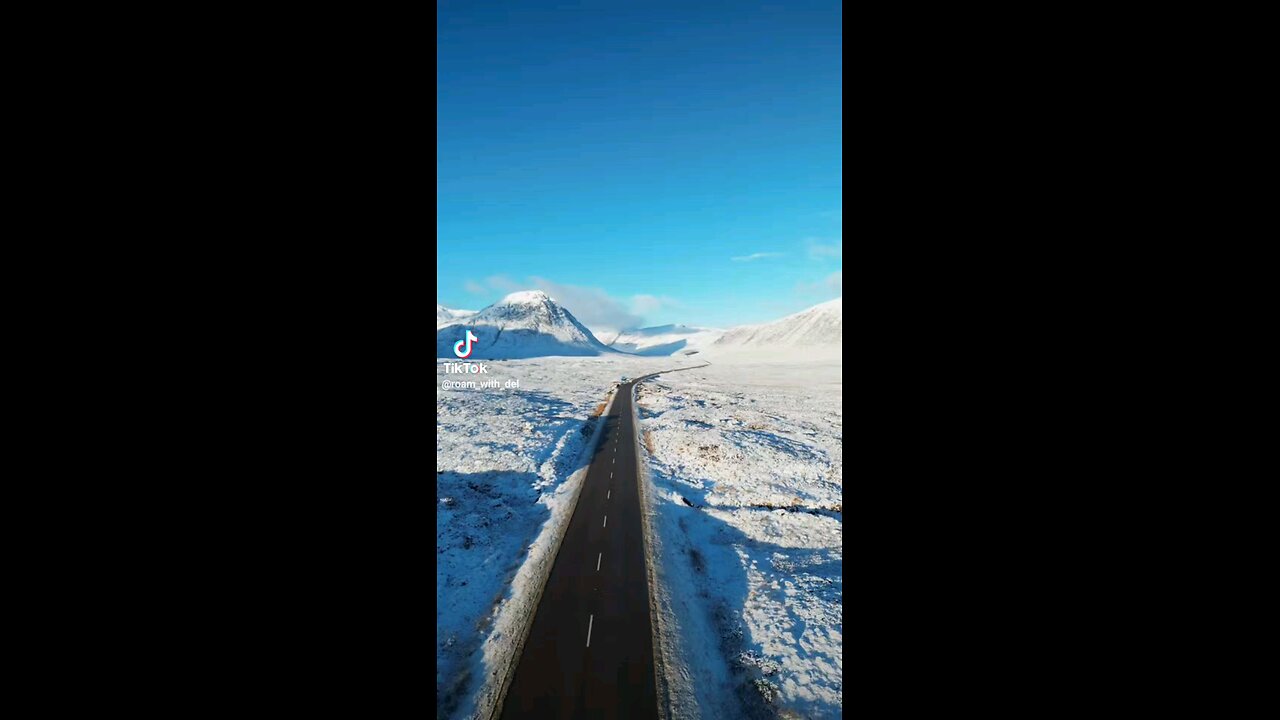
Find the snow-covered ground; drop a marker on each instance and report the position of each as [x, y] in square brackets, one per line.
[662, 340]
[503, 456]
[746, 465]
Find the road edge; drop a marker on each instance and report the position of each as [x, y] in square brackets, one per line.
[542, 573]
[657, 619]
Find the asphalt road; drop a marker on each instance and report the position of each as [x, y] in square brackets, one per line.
[589, 653]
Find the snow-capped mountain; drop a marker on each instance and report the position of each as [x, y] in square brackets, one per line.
[819, 329]
[445, 316]
[520, 325]
[664, 340]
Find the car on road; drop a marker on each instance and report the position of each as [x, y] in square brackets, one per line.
[623, 379]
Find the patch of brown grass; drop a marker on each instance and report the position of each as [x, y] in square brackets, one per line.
[648, 442]
[599, 409]
[798, 504]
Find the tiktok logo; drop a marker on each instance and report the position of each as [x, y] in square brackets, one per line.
[457, 347]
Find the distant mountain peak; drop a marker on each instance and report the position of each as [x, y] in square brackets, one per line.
[447, 316]
[526, 297]
[523, 324]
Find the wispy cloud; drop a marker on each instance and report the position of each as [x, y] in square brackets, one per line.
[756, 256]
[648, 304]
[503, 283]
[835, 282]
[592, 307]
[820, 249]
[831, 286]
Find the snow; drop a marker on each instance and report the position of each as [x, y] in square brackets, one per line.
[746, 472]
[448, 316]
[816, 331]
[527, 297]
[508, 465]
[743, 494]
[677, 340]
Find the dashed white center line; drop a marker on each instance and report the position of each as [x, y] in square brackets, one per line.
[606, 521]
[589, 624]
[608, 495]
[598, 556]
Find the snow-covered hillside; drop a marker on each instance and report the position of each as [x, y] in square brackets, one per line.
[521, 325]
[664, 340]
[446, 316]
[819, 330]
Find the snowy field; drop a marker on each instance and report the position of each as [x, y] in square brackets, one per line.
[502, 458]
[745, 461]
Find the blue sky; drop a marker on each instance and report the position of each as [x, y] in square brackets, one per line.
[643, 162]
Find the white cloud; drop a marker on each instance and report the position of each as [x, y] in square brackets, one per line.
[756, 256]
[592, 307]
[648, 304]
